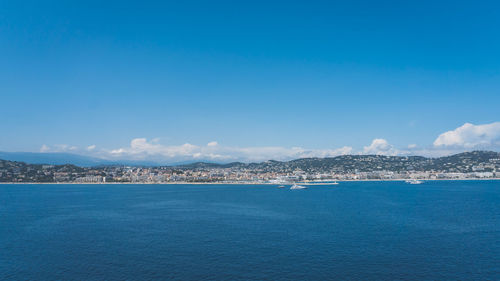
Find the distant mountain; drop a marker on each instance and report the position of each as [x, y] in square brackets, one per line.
[54, 158]
[462, 162]
[61, 158]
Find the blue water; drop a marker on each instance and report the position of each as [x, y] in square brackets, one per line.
[356, 231]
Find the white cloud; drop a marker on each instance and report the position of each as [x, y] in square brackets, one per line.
[212, 143]
[281, 153]
[58, 148]
[466, 137]
[141, 148]
[63, 148]
[471, 136]
[380, 147]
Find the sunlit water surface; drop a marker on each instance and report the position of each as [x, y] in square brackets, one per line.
[358, 230]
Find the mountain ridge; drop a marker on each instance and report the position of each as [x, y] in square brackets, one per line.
[312, 164]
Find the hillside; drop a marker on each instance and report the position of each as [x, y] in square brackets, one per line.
[463, 162]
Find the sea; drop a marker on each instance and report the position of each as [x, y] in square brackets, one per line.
[438, 230]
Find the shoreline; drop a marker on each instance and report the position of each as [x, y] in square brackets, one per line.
[243, 183]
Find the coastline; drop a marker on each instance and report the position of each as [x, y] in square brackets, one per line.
[243, 183]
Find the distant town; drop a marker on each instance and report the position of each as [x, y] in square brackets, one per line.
[468, 165]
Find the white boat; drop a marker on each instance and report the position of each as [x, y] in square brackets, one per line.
[295, 186]
[414, 181]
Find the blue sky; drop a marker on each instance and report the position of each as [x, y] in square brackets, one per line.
[258, 78]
